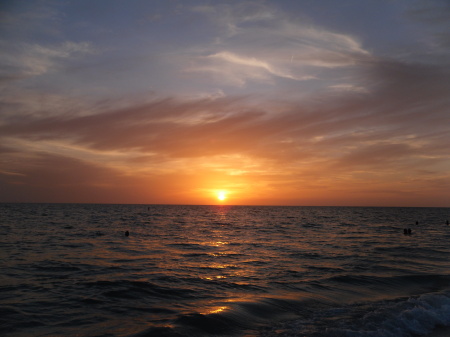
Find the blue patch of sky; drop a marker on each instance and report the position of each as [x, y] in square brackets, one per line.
[380, 25]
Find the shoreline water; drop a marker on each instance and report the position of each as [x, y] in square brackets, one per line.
[205, 270]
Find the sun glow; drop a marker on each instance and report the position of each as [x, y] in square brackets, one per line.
[221, 195]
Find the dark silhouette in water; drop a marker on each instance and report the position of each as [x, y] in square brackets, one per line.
[127, 233]
[407, 231]
[446, 222]
[417, 222]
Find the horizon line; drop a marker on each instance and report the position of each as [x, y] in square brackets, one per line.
[209, 205]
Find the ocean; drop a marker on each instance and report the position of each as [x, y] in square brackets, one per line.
[70, 270]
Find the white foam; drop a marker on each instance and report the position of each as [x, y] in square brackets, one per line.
[414, 316]
[400, 318]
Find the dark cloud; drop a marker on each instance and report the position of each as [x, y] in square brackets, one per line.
[431, 11]
[54, 178]
[434, 15]
[405, 102]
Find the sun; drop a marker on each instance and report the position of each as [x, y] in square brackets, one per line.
[221, 195]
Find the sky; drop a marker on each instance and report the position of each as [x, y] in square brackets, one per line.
[301, 102]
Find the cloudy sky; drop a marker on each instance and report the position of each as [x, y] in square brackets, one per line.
[305, 102]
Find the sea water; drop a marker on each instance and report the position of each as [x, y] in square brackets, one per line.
[69, 270]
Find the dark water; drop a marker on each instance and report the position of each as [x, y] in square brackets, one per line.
[69, 270]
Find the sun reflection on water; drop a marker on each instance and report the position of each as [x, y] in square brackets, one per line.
[215, 310]
[212, 278]
[219, 243]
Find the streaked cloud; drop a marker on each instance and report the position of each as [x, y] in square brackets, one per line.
[258, 43]
[236, 69]
[302, 110]
[28, 60]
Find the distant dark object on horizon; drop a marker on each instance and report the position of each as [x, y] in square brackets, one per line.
[446, 222]
[407, 231]
[417, 222]
[127, 233]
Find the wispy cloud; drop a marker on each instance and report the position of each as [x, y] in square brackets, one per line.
[319, 114]
[234, 69]
[27, 60]
[259, 43]
[337, 130]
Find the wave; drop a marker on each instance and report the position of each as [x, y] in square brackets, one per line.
[399, 318]
[240, 271]
[391, 286]
[339, 306]
[137, 290]
[405, 317]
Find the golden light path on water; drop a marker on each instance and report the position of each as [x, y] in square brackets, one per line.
[224, 268]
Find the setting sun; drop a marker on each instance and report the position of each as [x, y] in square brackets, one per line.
[221, 195]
